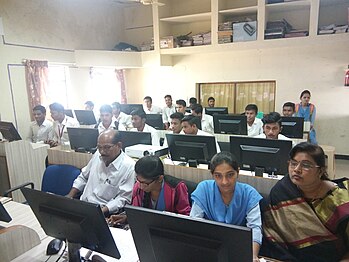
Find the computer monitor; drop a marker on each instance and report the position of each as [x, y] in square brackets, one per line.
[130, 138]
[191, 147]
[155, 120]
[80, 223]
[83, 139]
[9, 131]
[216, 110]
[269, 154]
[68, 112]
[85, 117]
[292, 127]
[128, 108]
[230, 124]
[165, 236]
[4, 215]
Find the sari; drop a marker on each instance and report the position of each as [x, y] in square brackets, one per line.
[297, 230]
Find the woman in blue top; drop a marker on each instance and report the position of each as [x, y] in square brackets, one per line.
[307, 110]
[226, 200]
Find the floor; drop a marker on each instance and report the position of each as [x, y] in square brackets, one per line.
[342, 168]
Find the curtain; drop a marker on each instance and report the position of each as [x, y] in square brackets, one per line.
[36, 73]
[223, 94]
[120, 75]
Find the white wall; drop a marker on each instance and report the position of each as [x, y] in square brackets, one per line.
[319, 68]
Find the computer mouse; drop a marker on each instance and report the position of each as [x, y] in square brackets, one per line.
[54, 246]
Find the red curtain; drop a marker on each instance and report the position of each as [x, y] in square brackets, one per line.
[36, 73]
[120, 74]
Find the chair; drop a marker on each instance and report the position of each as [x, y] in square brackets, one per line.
[58, 179]
[173, 181]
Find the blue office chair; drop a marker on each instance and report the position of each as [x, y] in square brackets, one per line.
[58, 179]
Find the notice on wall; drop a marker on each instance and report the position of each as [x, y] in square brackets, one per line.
[1, 27]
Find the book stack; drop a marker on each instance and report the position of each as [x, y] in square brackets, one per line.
[277, 29]
[296, 33]
[340, 29]
[333, 29]
[225, 32]
[148, 45]
[202, 39]
[207, 38]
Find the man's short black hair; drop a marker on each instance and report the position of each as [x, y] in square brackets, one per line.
[271, 118]
[89, 103]
[140, 113]
[181, 102]
[193, 100]
[168, 96]
[148, 98]
[106, 109]
[290, 104]
[177, 115]
[40, 108]
[211, 98]
[252, 107]
[57, 107]
[116, 105]
[192, 120]
[197, 108]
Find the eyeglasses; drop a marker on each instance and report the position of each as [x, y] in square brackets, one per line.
[293, 164]
[106, 147]
[146, 183]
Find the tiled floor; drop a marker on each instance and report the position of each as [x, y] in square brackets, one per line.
[342, 168]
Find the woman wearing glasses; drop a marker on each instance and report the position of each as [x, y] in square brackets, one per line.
[154, 190]
[307, 215]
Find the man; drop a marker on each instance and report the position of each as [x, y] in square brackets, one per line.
[40, 129]
[181, 106]
[148, 106]
[59, 133]
[254, 125]
[168, 110]
[272, 127]
[109, 177]
[211, 101]
[107, 121]
[89, 105]
[176, 125]
[206, 120]
[121, 117]
[288, 109]
[138, 122]
[190, 125]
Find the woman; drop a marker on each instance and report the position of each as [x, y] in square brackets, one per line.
[154, 190]
[226, 200]
[307, 215]
[308, 112]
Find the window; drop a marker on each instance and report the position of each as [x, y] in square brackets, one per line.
[59, 82]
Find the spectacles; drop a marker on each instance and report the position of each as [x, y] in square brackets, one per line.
[106, 147]
[146, 183]
[303, 165]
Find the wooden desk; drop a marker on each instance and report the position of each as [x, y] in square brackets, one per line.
[58, 156]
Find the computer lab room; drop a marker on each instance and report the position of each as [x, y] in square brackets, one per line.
[174, 130]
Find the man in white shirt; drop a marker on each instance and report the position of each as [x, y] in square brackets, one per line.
[181, 106]
[148, 106]
[168, 110]
[107, 120]
[109, 177]
[139, 125]
[59, 133]
[288, 109]
[40, 129]
[254, 125]
[190, 127]
[211, 101]
[206, 120]
[176, 125]
[121, 117]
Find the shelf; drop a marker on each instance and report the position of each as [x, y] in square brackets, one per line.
[240, 11]
[188, 18]
[332, 2]
[288, 6]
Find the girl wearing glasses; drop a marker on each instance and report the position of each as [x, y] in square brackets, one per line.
[155, 190]
[307, 215]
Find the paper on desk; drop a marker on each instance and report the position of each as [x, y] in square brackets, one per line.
[124, 241]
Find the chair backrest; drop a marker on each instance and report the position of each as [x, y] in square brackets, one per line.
[173, 181]
[58, 179]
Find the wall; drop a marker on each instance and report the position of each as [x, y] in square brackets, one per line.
[319, 68]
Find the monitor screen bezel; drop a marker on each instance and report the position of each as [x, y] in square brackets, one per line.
[155, 118]
[230, 117]
[128, 108]
[296, 132]
[216, 110]
[134, 138]
[85, 117]
[81, 138]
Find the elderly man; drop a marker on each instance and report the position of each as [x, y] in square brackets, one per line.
[109, 177]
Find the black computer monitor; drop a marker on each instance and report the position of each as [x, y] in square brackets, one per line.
[155, 120]
[83, 139]
[78, 222]
[216, 110]
[9, 131]
[130, 138]
[230, 124]
[4, 215]
[292, 127]
[128, 108]
[85, 117]
[68, 112]
[269, 154]
[191, 147]
[164, 236]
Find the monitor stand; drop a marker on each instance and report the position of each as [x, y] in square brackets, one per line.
[74, 252]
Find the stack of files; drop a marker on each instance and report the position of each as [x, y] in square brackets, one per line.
[340, 29]
[207, 38]
[296, 33]
[225, 36]
[274, 33]
[327, 29]
[277, 29]
[198, 39]
[186, 42]
[225, 26]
